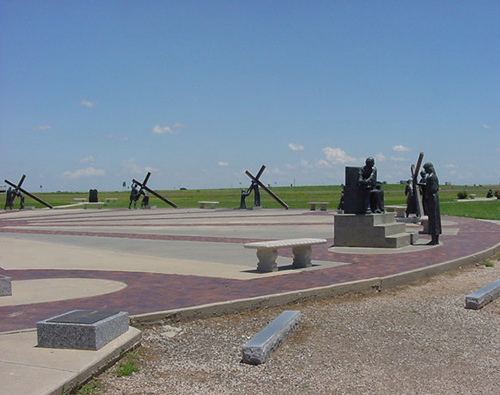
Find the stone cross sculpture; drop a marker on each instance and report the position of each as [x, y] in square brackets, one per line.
[18, 191]
[144, 187]
[254, 186]
[417, 190]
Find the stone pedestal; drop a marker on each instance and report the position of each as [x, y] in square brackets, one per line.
[5, 286]
[82, 329]
[371, 230]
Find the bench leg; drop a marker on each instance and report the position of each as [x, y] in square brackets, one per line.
[323, 207]
[312, 207]
[267, 260]
[301, 257]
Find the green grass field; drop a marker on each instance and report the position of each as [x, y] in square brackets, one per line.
[295, 197]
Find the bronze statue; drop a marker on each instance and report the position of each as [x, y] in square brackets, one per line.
[145, 198]
[11, 195]
[377, 199]
[411, 202]
[254, 186]
[367, 181]
[9, 198]
[431, 199]
[421, 185]
[134, 195]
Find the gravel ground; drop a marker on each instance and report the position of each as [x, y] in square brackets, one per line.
[416, 339]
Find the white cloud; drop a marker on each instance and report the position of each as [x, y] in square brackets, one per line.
[323, 164]
[450, 166]
[380, 157]
[486, 126]
[88, 172]
[296, 147]
[129, 166]
[89, 160]
[87, 103]
[305, 163]
[337, 156]
[400, 148]
[173, 130]
[41, 127]
[223, 164]
[276, 170]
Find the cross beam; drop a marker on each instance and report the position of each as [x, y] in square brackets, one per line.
[152, 192]
[18, 187]
[271, 193]
[415, 170]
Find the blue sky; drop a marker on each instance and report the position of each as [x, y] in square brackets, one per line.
[95, 93]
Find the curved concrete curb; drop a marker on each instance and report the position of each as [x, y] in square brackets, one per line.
[28, 369]
[273, 300]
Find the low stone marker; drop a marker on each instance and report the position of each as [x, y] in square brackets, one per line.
[257, 349]
[5, 286]
[209, 204]
[82, 329]
[482, 297]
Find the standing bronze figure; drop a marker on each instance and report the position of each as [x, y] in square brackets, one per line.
[411, 202]
[431, 202]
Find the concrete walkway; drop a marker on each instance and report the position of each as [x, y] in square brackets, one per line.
[174, 264]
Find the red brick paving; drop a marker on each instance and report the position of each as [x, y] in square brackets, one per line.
[150, 292]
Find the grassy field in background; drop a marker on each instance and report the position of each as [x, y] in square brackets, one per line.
[295, 197]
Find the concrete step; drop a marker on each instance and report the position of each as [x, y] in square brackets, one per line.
[390, 229]
[380, 219]
[398, 240]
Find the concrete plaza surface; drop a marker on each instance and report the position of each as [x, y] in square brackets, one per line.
[173, 264]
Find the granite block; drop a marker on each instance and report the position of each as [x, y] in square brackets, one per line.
[482, 297]
[257, 350]
[82, 329]
[5, 286]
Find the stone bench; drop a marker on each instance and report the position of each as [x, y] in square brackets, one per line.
[312, 205]
[211, 205]
[267, 252]
[93, 204]
[259, 347]
[482, 297]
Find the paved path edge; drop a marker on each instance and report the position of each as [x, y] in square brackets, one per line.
[273, 300]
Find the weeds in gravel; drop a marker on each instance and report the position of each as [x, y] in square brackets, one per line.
[90, 388]
[487, 264]
[128, 365]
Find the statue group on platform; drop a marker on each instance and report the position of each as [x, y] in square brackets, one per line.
[11, 195]
[245, 193]
[135, 194]
[362, 194]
